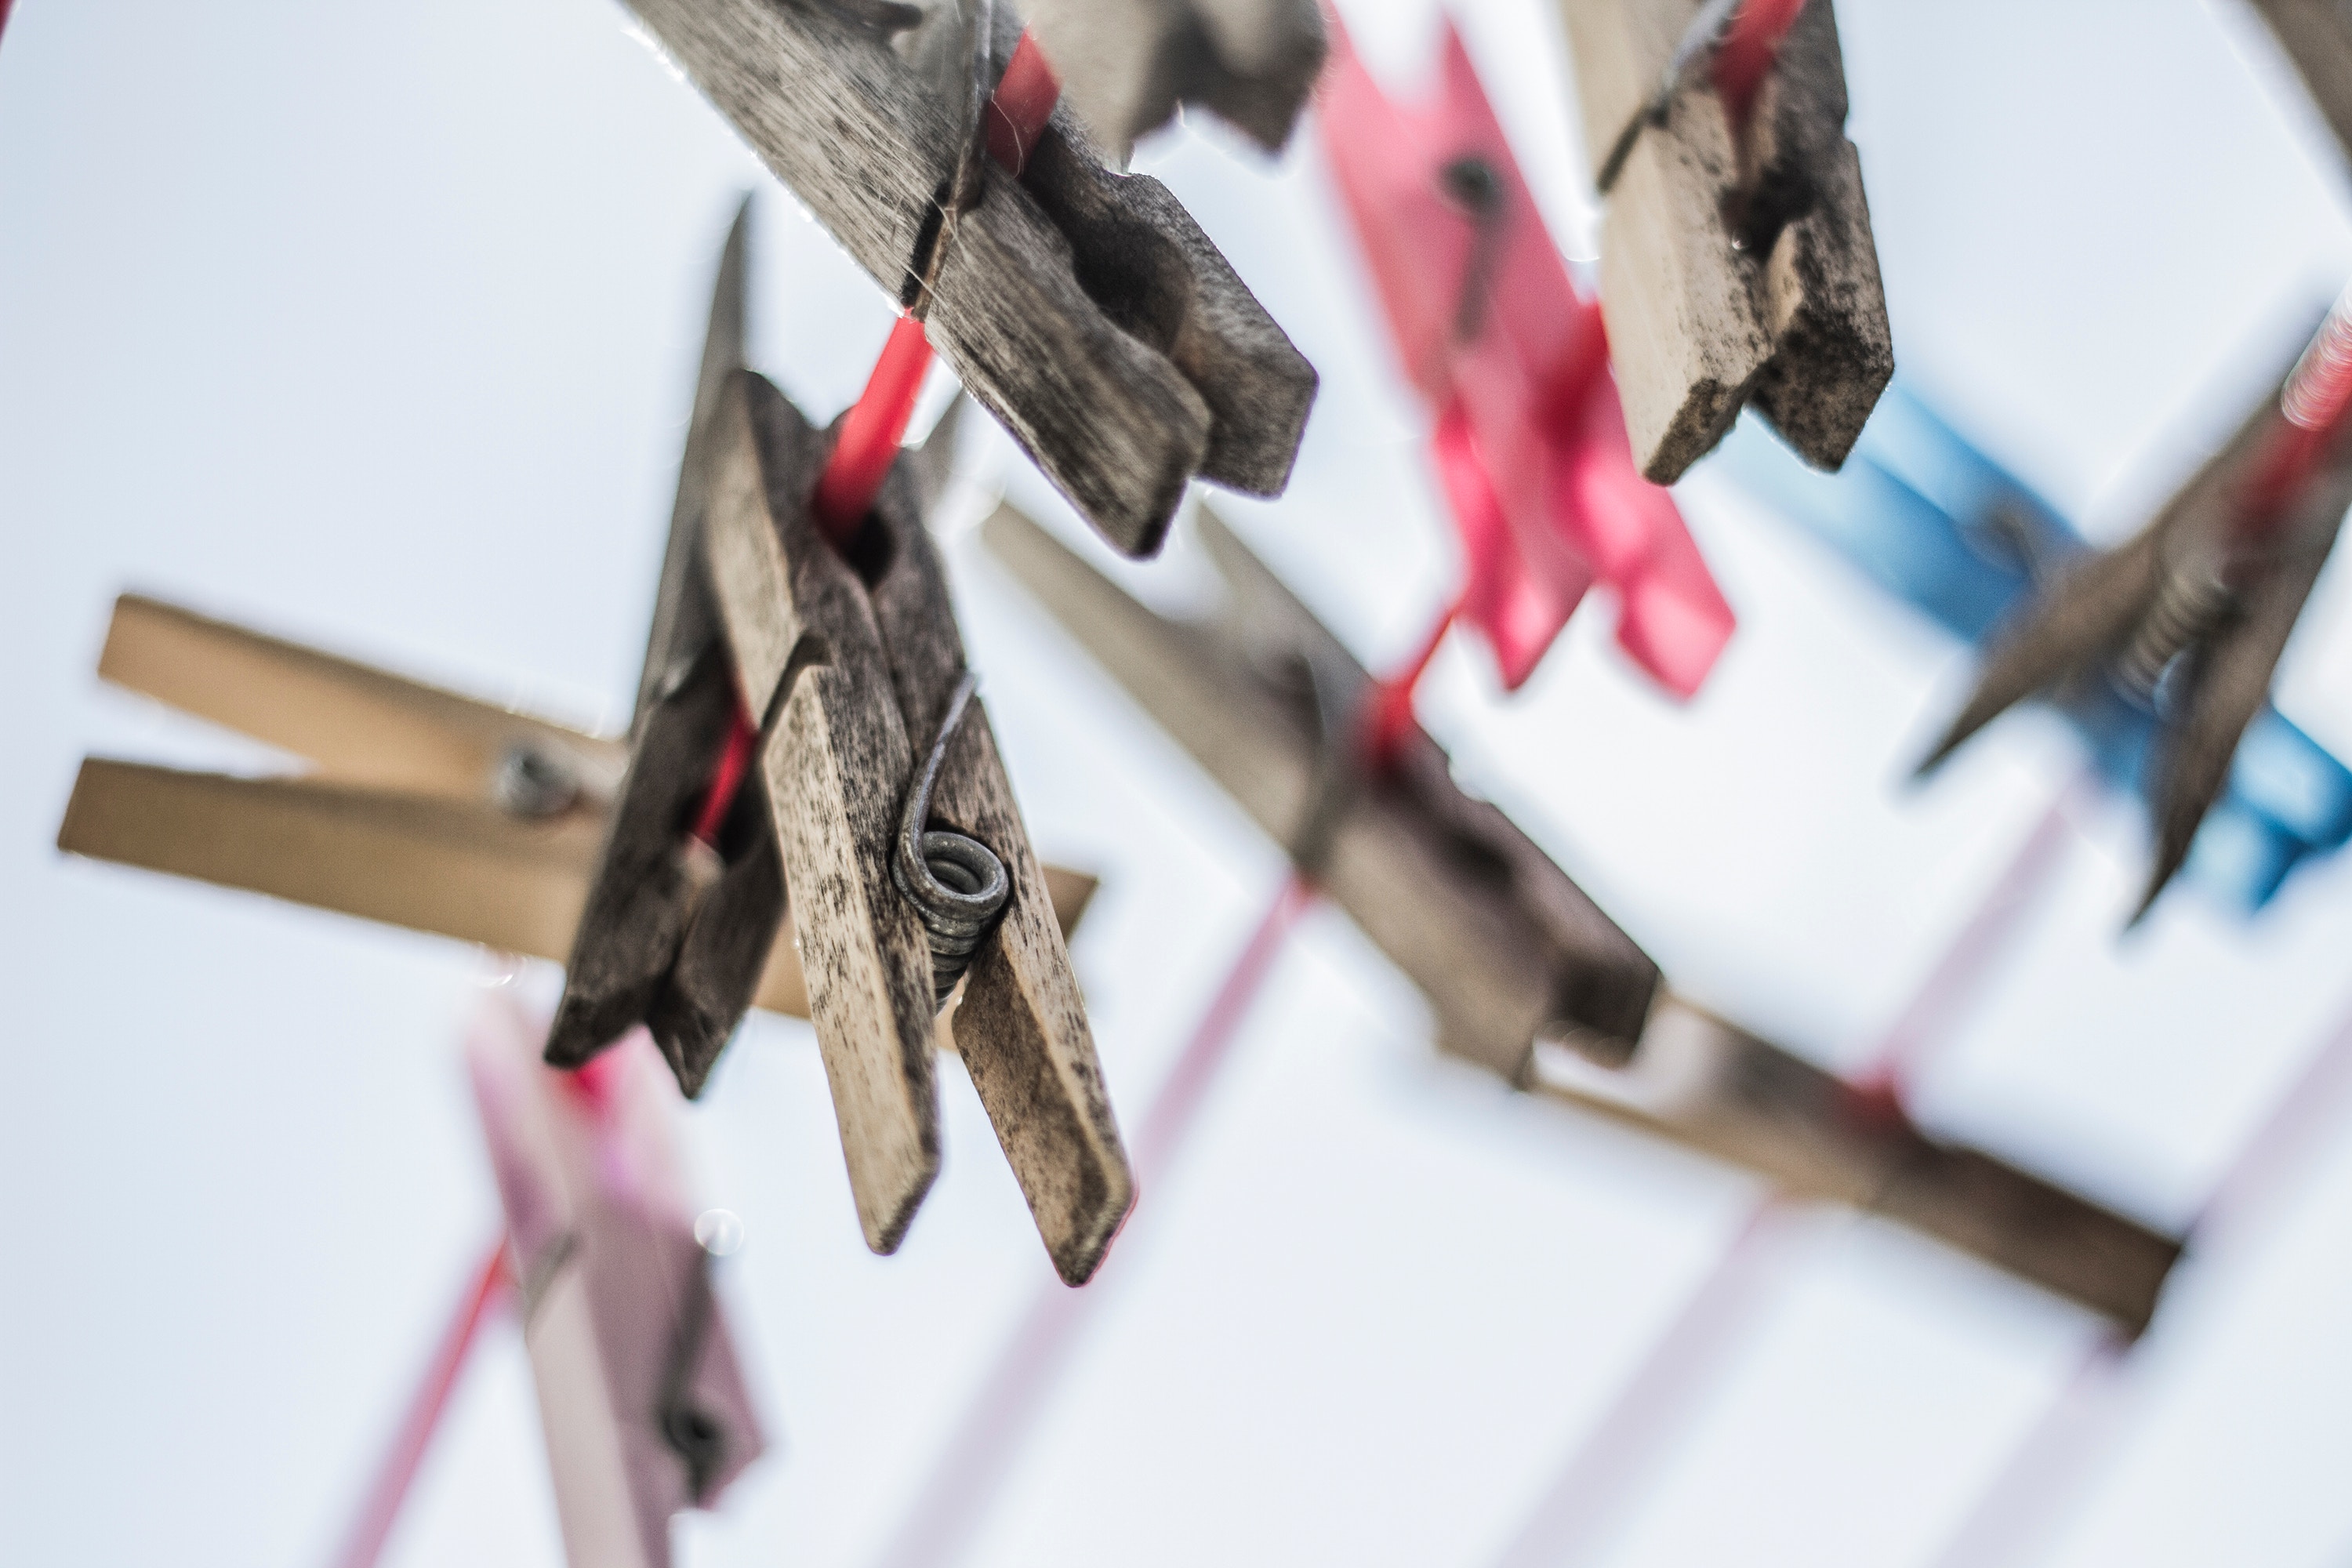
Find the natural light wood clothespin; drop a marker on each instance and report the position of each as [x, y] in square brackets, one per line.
[420, 808]
[2317, 36]
[1512, 954]
[1084, 309]
[1131, 64]
[1736, 263]
[641, 1396]
[2189, 616]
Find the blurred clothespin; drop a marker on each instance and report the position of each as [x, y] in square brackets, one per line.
[2317, 36]
[1129, 64]
[418, 808]
[1927, 516]
[1530, 442]
[1084, 309]
[640, 1394]
[863, 776]
[1737, 262]
[2188, 618]
[1521, 966]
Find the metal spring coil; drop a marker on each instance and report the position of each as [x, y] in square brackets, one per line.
[2189, 602]
[956, 883]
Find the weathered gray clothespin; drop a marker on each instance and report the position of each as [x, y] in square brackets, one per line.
[1526, 975]
[1085, 310]
[1129, 64]
[2189, 616]
[2317, 36]
[1737, 262]
[871, 792]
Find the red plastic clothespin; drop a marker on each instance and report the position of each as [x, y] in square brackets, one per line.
[1745, 56]
[2317, 407]
[1531, 440]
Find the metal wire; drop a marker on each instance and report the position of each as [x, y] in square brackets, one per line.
[2189, 602]
[956, 883]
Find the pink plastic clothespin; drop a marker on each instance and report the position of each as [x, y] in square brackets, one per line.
[641, 1395]
[1530, 441]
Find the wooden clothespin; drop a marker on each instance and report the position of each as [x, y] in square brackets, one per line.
[1512, 954]
[1929, 518]
[419, 808]
[2188, 618]
[2317, 36]
[1530, 442]
[1736, 263]
[867, 782]
[1131, 64]
[641, 1396]
[1084, 309]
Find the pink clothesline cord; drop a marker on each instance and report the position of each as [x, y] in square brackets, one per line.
[989, 1439]
[1604, 1475]
[2028, 1496]
[490, 1284]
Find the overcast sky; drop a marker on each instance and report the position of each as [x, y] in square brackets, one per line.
[375, 326]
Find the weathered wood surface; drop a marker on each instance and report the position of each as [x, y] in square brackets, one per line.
[375, 835]
[1731, 273]
[1127, 66]
[2317, 36]
[1505, 945]
[2084, 623]
[1021, 1026]
[1717, 1090]
[1123, 353]
[674, 932]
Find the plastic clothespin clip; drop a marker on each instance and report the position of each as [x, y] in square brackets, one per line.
[1085, 310]
[1530, 442]
[641, 1395]
[1930, 519]
[1737, 262]
[2188, 618]
[1527, 978]
[1129, 64]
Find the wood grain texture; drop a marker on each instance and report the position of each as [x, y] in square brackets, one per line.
[429, 859]
[2317, 36]
[1505, 945]
[1729, 273]
[1021, 1026]
[1127, 66]
[1063, 337]
[809, 657]
[1716, 1088]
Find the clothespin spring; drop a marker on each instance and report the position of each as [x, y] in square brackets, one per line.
[956, 883]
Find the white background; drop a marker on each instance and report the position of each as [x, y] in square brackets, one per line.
[374, 325]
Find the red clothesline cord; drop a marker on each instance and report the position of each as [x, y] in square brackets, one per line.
[876, 425]
[2317, 407]
[490, 1283]
[1749, 49]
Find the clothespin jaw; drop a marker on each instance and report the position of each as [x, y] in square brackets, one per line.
[1129, 64]
[853, 662]
[1085, 310]
[641, 1395]
[1737, 262]
[1714, 1088]
[2188, 619]
[1506, 946]
[2317, 36]
[422, 808]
